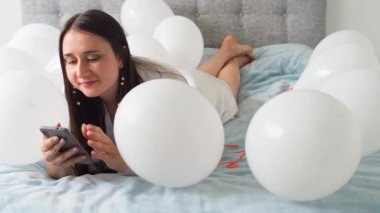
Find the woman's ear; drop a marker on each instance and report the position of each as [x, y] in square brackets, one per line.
[121, 63]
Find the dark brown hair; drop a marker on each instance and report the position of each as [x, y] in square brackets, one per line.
[91, 110]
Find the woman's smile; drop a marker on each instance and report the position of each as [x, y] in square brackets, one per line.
[87, 84]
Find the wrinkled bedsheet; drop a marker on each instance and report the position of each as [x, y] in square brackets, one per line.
[230, 188]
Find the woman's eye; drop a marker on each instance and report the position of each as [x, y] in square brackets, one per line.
[93, 58]
[70, 61]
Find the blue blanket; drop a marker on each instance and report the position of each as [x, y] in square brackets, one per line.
[230, 188]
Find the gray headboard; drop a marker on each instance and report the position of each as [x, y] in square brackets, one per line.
[257, 22]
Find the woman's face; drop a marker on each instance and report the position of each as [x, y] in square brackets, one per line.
[91, 65]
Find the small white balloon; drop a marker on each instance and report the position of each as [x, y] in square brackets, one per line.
[27, 101]
[182, 40]
[148, 47]
[40, 30]
[12, 59]
[338, 59]
[168, 133]
[143, 16]
[303, 145]
[42, 49]
[359, 90]
[341, 37]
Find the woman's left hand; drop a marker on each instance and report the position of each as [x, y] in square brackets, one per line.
[104, 148]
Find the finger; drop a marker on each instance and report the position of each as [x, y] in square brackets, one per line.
[101, 156]
[48, 143]
[96, 134]
[84, 130]
[102, 147]
[62, 158]
[72, 161]
[52, 154]
[94, 128]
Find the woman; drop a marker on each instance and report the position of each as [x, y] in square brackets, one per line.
[98, 71]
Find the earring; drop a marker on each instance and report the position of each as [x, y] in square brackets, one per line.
[74, 94]
[122, 80]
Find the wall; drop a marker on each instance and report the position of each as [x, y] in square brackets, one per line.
[360, 15]
[10, 19]
[341, 14]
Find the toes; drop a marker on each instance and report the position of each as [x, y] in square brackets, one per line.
[229, 39]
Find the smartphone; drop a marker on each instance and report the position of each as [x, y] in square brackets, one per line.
[71, 141]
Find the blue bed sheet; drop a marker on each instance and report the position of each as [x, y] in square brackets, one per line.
[230, 188]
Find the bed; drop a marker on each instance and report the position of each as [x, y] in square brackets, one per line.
[284, 33]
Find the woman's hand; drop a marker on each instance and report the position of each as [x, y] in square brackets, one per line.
[104, 148]
[59, 164]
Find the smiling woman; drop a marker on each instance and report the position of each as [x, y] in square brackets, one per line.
[93, 51]
[259, 23]
[98, 71]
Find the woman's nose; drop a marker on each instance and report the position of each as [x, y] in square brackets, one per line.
[82, 69]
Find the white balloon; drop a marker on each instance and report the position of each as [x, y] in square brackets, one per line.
[341, 37]
[182, 40]
[42, 49]
[54, 72]
[143, 16]
[40, 30]
[338, 59]
[359, 90]
[303, 145]
[12, 59]
[27, 101]
[148, 47]
[168, 133]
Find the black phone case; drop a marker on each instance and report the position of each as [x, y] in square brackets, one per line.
[71, 141]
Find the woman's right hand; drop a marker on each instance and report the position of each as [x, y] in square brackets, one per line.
[59, 164]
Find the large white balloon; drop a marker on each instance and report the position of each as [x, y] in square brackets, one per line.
[27, 101]
[12, 59]
[341, 37]
[54, 72]
[182, 40]
[338, 59]
[303, 145]
[359, 90]
[168, 133]
[143, 16]
[40, 30]
[148, 47]
[42, 49]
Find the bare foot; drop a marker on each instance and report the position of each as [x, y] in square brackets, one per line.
[234, 49]
[241, 61]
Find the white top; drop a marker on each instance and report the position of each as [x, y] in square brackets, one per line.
[217, 91]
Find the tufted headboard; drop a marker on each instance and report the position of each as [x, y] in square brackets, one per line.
[257, 22]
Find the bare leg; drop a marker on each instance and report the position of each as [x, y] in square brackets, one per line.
[230, 73]
[230, 49]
